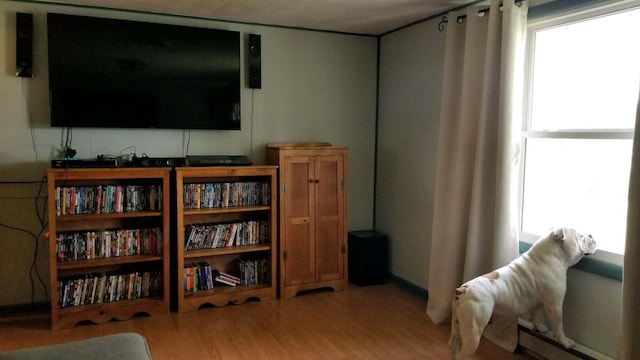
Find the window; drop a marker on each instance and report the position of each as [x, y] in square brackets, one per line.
[584, 79]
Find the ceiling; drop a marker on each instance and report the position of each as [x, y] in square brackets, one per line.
[367, 17]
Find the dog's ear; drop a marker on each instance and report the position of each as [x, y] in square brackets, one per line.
[559, 234]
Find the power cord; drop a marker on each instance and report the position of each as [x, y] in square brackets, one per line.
[67, 151]
[186, 133]
[41, 215]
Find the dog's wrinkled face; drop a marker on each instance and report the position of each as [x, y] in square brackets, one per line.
[574, 244]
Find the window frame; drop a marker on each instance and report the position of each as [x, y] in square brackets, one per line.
[604, 263]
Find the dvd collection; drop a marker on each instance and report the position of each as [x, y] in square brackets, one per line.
[103, 288]
[109, 243]
[104, 199]
[200, 276]
[254, 271]
[211, 236]
[107, 281]
[227, 194]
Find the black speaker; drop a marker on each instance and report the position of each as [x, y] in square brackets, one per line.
[24, 45]
[368, 253]
[255, 72]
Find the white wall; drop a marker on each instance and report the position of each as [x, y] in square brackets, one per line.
[411, 63]
[410, 80]
[316, 86]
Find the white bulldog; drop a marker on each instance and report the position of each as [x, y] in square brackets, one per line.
[533, 283]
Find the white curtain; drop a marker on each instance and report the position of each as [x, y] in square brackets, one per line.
[475, 224]
[630, 350]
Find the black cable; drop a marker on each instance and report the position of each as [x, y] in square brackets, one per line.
[69, 139]
[188, 141]
[33, 262]
[43, 225]
[251, 125]
[67, 151]
[34, 269]
[41, 216]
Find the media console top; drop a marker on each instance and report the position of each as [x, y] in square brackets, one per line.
[145, 161]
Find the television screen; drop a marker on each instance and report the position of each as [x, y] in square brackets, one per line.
[127, 74]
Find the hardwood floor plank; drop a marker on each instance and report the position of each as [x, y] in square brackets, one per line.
[372, 322]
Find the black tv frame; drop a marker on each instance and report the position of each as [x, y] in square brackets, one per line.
[113, 73]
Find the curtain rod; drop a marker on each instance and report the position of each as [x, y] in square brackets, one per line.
[460, 19]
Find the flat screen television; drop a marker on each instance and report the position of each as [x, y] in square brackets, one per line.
[109, 73]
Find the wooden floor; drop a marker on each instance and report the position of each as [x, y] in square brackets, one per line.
[373, 322]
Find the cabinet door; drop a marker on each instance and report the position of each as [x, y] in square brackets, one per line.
[298, 240]
[329, 195]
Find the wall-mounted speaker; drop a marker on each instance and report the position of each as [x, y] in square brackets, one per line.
[254, 53]
[24, 45]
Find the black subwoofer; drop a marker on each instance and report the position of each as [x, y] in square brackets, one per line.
[368, 257]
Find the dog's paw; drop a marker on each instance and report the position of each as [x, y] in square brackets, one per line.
[566, 342]
[541, 328]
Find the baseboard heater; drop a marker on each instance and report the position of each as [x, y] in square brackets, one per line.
[544, 346]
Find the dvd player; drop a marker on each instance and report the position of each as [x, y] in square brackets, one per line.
[218, 160]
[146, 161]
[85, 163]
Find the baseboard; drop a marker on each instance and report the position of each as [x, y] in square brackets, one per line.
[408, 287]
[546, 347]
[24, 310]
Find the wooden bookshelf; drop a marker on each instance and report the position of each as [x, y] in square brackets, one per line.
[206, 216]
[75, 260]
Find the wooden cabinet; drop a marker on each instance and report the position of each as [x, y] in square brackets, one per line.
[108, 243]
[226, 223]
[312, 215]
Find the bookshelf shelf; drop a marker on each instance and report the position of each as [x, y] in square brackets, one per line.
[209, 230]
[226, 290]
[105, 312]
[227, 210]
[108, 263]
[99, 217]
[226, 250]
[103, 308]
